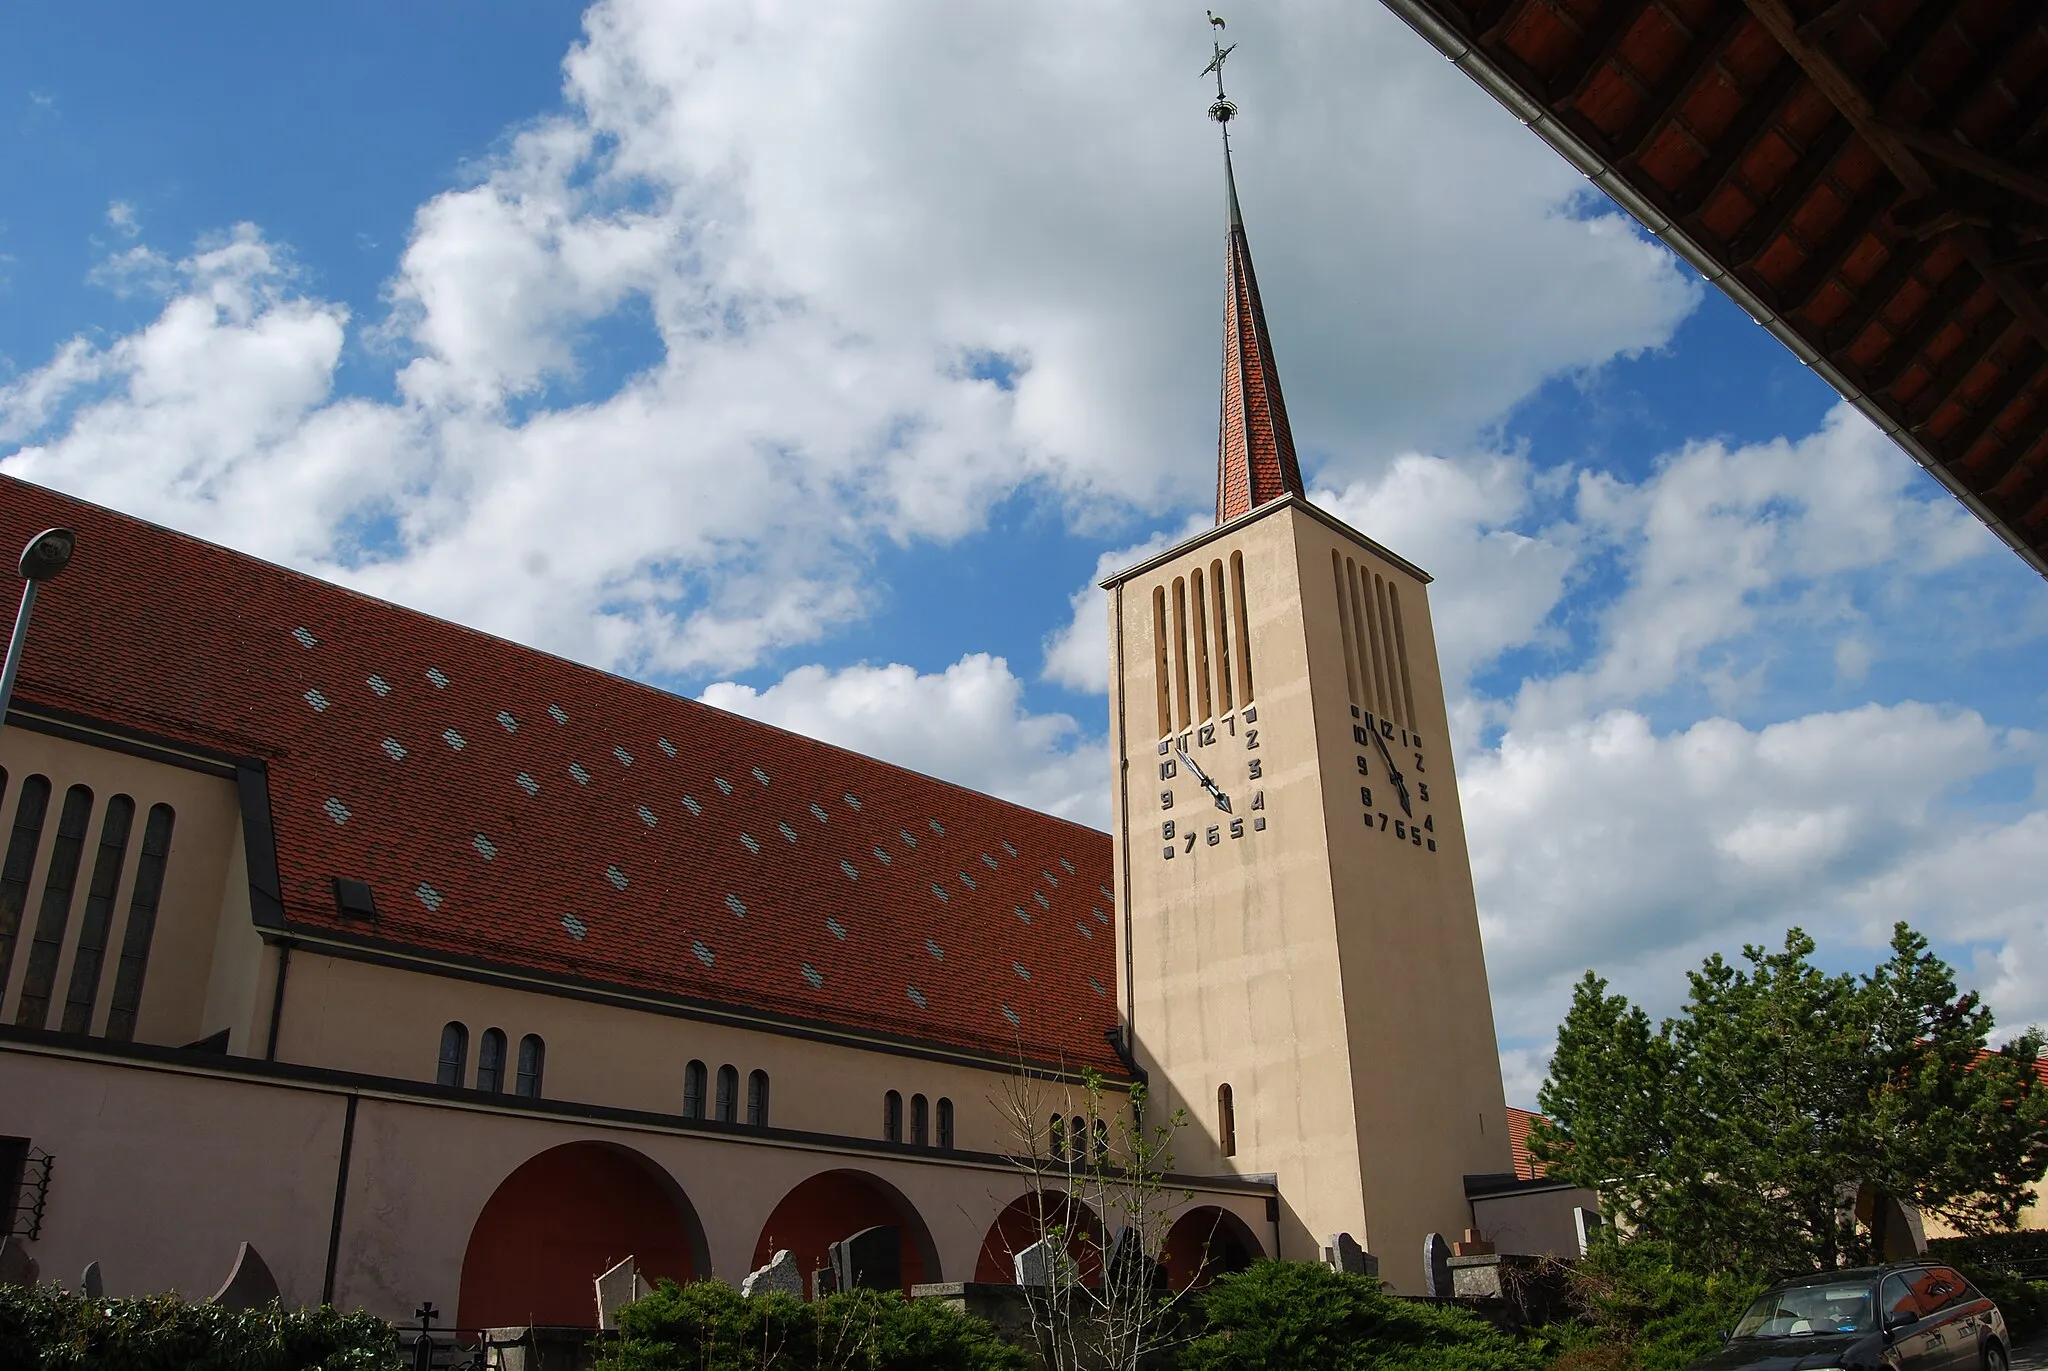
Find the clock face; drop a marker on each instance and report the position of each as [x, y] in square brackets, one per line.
[1211, 785]
[1393, 781]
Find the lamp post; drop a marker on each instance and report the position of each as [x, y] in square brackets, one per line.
[46, 555]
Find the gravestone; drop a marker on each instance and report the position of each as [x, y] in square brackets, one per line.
[1034, 1265]
[1436, 1267]
[17, 1267]
[1129, 1267]
[249, 1285]
[1348, 1257]
[824, 1280]
[90, 1284]
[616, 1289]
[869, 1260]
[780, 1274]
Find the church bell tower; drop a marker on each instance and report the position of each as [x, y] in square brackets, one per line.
[1299, 949]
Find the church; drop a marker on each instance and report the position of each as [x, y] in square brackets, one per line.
[444, 971]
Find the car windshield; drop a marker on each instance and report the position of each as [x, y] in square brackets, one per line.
[1808, 1311]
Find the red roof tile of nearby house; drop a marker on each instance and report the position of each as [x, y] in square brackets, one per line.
[1527, 1167]
[514, 807]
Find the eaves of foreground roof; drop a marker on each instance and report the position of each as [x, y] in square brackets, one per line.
[522, 810]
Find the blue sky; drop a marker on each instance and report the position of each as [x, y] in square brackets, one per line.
[819, 365]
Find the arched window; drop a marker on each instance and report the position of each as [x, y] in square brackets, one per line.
[533, 1056]
[1101, 1141]
[54, 917]
[1056, 1140]
[98, 921]
[454, 1055]
[920, 1121]
[945, 1123]
[149, 888]
[757, 1098]
[490, 1061]
[892, 1117]
[29, 810]
[1077, 1140]
[1226, 1121]
[695, 1078]
[728, 1093]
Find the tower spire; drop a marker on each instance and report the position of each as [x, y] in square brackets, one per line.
[1255, 459]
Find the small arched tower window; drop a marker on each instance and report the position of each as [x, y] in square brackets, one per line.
[695, 1079]
[728, 1093]
[1056, 1139]
[1101, 1141]
[1226, 1121]
[454, 1055]
[920, 1121]
[1077, 1140]
[490, 1061]
[533, 1056]
[945, 1123]
[892, 1117]
[757, 1098]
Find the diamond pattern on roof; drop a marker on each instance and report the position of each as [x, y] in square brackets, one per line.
[989, 862]
[440, 681]
[938, 953]
[1069, 866]
[582, 776]
[968, 881]
[703, 953]
[940, 891]
[317, 700]
[787, 831]
[485, 848]
[336, 810]
[616, 877]
[453, 739]
[734, 903]
[625, 757]
[760, 775]
[417, 809]
[647, 816]
[668, 748]
[815, 977]
[1011, 1015]
[1022, 974]
[748, 841]
[305, 637]
[917, 997]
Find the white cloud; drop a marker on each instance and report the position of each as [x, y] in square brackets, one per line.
[1076, 653]
[968, 724]
[121, 218]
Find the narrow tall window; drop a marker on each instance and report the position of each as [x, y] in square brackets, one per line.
[490, 1061]
[728, 1093]
[1204, 705]
[149, 888]
[1223, 697]
[1344, 607]
[1366, 620]
[1159, 667]
[1401, 652]
[1180, 650]
[757, 1098]
[1226, 1121]
[1386, 647]
[945, 1124]
[920, 1121]
[892, 1117]
[454, 1055]
[1077, 1140]
[55, 915]
[533, 1059]
[1101, 1141]
[93, 929]
[695, 1078]
[20, 866]
[1056, 1139]
[1239, 622]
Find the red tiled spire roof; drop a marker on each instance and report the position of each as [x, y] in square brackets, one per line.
[1255, 459]
[518, 809]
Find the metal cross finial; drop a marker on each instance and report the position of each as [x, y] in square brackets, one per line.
[1223, 111]
[426, 1314]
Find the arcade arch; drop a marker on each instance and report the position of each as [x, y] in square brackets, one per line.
[1028, 1218]
[1207, 1242]
[832, 1205]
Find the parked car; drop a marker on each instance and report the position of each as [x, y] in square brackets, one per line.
[1909, 1316]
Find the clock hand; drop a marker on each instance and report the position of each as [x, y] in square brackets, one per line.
[1393, 773]
[1222, 800]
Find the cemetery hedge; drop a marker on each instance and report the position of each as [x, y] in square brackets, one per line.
[709, 1326]
[51, 1328]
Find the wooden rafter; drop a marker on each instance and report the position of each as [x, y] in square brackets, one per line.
[1903, 261]
[1943, 384]
[2019, 370]
[1777, 211]
[1958, 154]
[1831, 18]
[1937, 314]
[1759, 112]
[1858, 222]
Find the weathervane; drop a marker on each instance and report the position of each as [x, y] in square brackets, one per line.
[1223, 111]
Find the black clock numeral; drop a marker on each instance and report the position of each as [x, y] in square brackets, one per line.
[1166, 830]
[1258, 799]
[1383, 823]
[1386, 729]
[1362, 769]
[1432, 844]
[1230, 722]
[1169, 852]
[1251, 714]
[1251, 738]
[1163, 746]
[1422, 791]
[1365, 796]
[1215, 835]
[1259, 824]
[1207, 735]
[1359, 735]
[1429, 822]
[1257, 768]
[1237, 828]
[1400, 829]
[1414, 836]
[1166, 799]
[1191, 836]
[1418, 761]
[1168, 770]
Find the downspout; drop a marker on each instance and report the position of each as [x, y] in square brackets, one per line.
[1123, 1039]
[348, 1141]
[284, 965]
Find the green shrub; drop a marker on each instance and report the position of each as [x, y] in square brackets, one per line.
[1639, 1312]
[50, 1328]
[1303, 1317]
[2023, 1302]
[709, 1326]
[2023, 1252]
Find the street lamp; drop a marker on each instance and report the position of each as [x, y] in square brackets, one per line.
[46, 555]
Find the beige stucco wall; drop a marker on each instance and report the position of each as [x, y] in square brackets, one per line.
[161, 1172]
[1535, 1224]
[205, 842]
[1333, 980]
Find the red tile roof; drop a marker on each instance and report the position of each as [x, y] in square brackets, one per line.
[1255, 460]
[1526, 1167]
[511, 806]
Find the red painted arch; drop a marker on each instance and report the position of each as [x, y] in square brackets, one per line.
[837, 1204]
[1207, 1242]
[1022, 1223]
[560, 1219]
